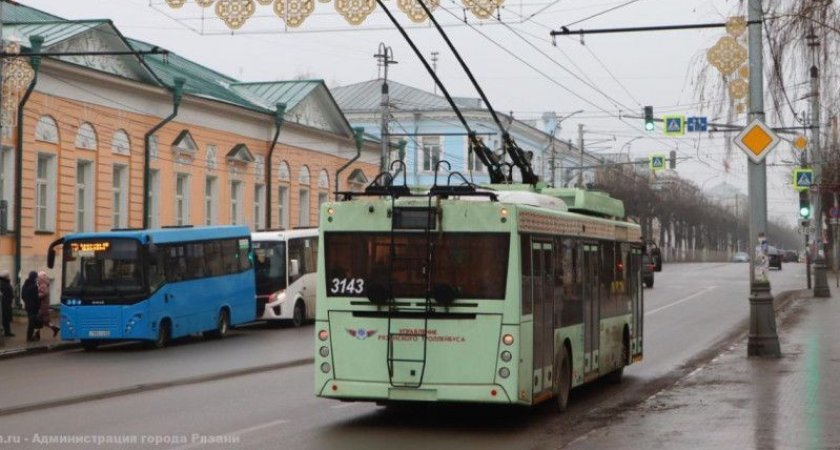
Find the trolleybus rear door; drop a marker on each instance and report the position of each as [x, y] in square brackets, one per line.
[543, 289]
[591, 309]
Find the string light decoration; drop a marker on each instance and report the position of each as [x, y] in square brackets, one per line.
[17, 75]
[729, 56]
[234, 13]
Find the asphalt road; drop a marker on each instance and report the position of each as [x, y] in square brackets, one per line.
[254, 390]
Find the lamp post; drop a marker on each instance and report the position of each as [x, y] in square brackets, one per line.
[554, 132]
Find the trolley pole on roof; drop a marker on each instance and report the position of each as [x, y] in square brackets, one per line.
[763, 339]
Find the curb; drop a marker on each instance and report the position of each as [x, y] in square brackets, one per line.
[37, 350]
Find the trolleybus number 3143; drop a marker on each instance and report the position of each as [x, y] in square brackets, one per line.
[347, 286]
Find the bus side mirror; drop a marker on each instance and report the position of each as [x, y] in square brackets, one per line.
[51, 252]
[294, 268]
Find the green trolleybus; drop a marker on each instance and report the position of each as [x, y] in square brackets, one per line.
[510, 294]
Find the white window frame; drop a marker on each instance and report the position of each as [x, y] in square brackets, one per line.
[235, 202]
[86, 137]
[182, 199]
[85, 198]
[283, 204]
[121, 143]
[45, 187]
[119, 216]
[427, 145]
[259, 206]
[303, 206]
[211, 187]
[475, 165]
[154, 195]
[7, 187]
[323, 197]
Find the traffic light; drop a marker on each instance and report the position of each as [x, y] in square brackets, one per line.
[804, 205]
[649, 125]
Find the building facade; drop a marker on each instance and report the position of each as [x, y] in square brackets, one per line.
[83, 135]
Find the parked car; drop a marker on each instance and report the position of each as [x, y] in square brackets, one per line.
[775, 257]
[790, 256]
[648, 268]
[741, 257]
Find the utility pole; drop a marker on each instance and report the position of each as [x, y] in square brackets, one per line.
[386, 58]
[434, 69]
[763, 339]
[2, 47]
[580, 145]
[820, 281]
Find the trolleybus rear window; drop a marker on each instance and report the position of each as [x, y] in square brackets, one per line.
[473, 264]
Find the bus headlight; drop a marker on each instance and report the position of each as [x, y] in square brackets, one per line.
[323, 335]
[504, 372]
[506, 356]
[279, 295]
[325, 367]
[507, 339]
[324, 351]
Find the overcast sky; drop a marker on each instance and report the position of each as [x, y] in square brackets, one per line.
[606, 76]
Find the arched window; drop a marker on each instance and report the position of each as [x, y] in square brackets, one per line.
[121, 143]
[86, 137]
[283, 172]
[46, 130]
[324, 180]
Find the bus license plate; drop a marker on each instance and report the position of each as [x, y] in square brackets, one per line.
[99, 333]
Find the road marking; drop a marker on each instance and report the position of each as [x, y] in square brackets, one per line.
[238, 432]
[684, 299]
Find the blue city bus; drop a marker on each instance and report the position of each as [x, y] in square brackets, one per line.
[155, 285]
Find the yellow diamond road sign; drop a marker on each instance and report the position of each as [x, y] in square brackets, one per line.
[756, 140]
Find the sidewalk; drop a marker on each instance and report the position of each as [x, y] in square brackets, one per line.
[735, 402]
[17, 345]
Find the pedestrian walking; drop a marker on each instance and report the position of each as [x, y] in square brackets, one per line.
[29, 295]
[8, 296]
[44, 298]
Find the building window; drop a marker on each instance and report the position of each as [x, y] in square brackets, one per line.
[259, 166]
[153, 147]
[182, 199]
[84, 196]
[474, 164]
[303, 197]
[154, 189]
[431, 152]
[210, 201]
[211, 157]
[46, 130]
[45, 187]
[7, 162]
[235, 202]
[86, 137]
[283, 205]
[121, 143]
[322, 198]
[120, 200]
[259, 207]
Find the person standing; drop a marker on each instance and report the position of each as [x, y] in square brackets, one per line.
[8, 296]
[29, 295]
[44, 298]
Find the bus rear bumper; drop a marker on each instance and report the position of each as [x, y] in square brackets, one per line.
[384, 392]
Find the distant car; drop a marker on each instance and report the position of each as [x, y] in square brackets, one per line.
[741, 257]
[790, 256]
[655, 255]
[775, 257]
[647, 271]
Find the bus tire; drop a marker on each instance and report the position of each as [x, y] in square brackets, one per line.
[90, 344]
[564, 380]
[222, 326]
[164, 334]
[299, 314]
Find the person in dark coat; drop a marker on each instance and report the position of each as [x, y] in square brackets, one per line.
[8, 296]
[29, 295]
[43, 284]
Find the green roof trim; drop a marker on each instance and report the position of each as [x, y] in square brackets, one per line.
[588, 202]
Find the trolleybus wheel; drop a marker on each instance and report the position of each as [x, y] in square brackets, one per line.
[299, 314]
[222, 326]
[164, 334]
[90, 344]
[564, 380]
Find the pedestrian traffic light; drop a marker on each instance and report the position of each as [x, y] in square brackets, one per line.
[804, 205]
[649, 126]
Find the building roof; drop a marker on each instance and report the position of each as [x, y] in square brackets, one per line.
[367, 96]
[273, 92]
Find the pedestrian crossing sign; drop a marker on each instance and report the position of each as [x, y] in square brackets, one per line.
[657, 162]
[674, 125]
[803, 179]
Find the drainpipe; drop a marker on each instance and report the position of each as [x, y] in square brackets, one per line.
[359, 138]
[279, 113]
[35, 61]
[177, 93]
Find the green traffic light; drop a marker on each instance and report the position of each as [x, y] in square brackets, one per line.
[649, 126]
[804, 212]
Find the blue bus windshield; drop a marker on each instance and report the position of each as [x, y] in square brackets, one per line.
[103, 269]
